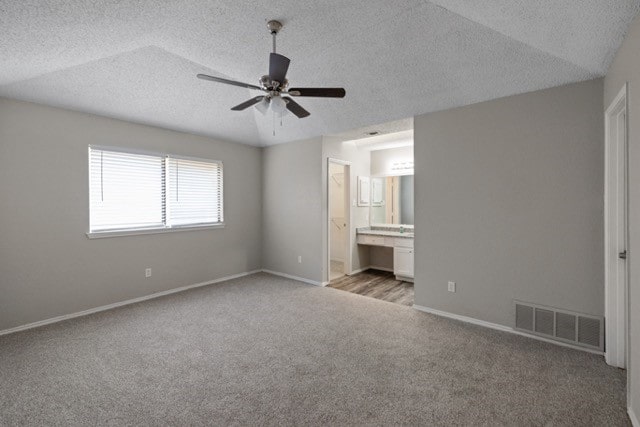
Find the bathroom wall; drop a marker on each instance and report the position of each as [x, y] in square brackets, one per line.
[391, 161]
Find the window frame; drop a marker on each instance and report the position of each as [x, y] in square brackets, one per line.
[151, 230]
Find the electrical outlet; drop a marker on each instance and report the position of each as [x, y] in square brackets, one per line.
[147, 272]
[452, 286]
[299, 259]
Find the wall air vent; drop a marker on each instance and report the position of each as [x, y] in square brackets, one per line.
[566, 326]
[561, 325]
[589, 331]
[524, 317]
[544, 321]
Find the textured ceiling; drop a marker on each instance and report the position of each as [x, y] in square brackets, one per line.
[392, 127]
[137, 60]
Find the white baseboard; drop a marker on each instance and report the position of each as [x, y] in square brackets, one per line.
[633, 417]
[300, 279]
[499, 327]
[121, 303]
[373, 267]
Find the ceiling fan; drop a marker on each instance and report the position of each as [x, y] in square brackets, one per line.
[276, 85]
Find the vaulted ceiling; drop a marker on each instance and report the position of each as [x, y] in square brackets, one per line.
[137, 60]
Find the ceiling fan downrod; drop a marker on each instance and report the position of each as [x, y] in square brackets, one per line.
[274, 27]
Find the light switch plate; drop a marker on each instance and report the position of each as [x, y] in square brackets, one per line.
[452, 286]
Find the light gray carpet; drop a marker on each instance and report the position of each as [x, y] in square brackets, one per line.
[263, 350]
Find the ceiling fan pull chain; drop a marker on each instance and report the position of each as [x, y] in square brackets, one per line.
[274, 123]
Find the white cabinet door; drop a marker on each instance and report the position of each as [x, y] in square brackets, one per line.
[403, 262]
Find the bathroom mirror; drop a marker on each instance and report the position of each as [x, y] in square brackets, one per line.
[391, 199]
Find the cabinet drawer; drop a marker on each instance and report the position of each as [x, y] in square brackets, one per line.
[403, 243]
[365, 239]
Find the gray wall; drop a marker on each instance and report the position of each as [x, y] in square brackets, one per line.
[338, 148]
[626, 68]
[509, 204]
[48, 266]
[293, 209]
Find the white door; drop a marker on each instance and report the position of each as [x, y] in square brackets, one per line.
[339, 218]
[616, 231]
[336, 213]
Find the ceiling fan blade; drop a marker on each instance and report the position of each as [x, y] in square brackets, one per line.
[278, 66]
[322, 92]
[247, 104]
[228, 82]
[295, 108]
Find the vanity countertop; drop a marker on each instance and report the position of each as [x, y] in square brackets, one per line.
[384, 231]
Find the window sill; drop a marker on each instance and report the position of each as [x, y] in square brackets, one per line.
[142, 231]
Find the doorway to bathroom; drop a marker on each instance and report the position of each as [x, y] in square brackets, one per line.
[381, 235]
[339, 218]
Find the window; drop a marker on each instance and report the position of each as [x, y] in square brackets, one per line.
[131, 191]
[194, 192]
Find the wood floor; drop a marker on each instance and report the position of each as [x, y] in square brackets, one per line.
[376, 284]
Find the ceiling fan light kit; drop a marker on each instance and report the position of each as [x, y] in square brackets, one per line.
[278, 105]
[277, 96]
[263, 106]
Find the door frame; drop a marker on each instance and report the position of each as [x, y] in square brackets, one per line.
[347, 215]
[616, 294]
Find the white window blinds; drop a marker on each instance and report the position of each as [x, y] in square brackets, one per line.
[131, 191]
[126, 190]
[194, 193]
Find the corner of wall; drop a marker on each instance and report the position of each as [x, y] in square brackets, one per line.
[291, 203]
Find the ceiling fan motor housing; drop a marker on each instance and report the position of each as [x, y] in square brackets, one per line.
[272, 85]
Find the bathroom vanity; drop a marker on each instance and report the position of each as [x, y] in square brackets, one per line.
[396, 237]
[390, 234]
